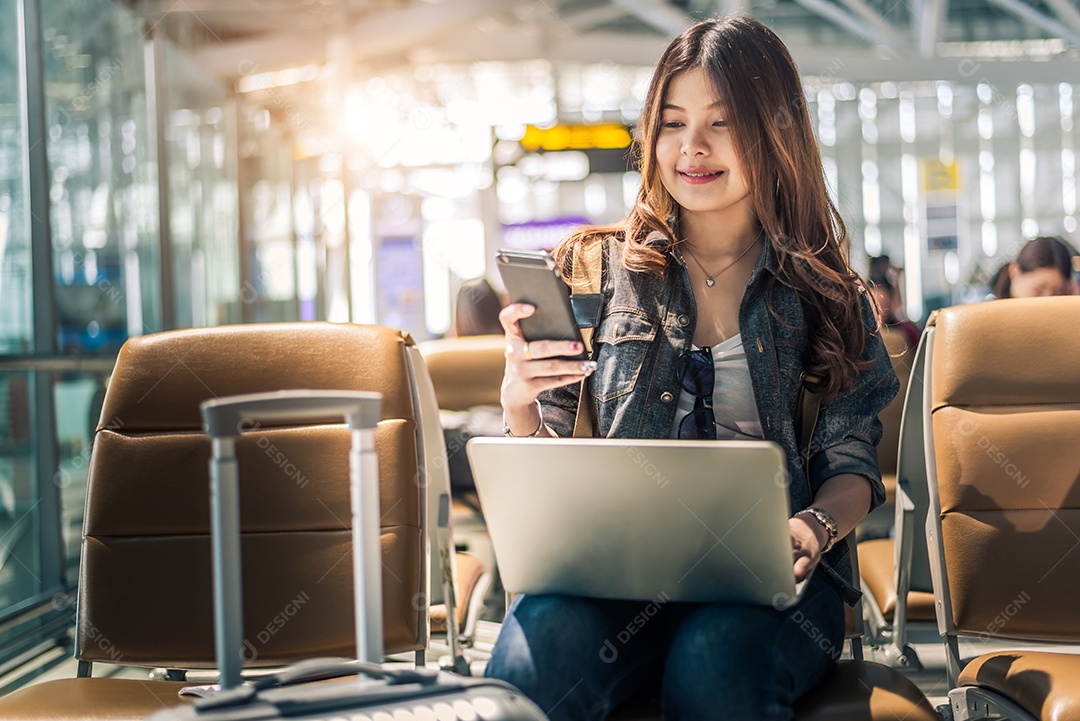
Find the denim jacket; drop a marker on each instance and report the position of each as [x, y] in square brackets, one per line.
[647, 322]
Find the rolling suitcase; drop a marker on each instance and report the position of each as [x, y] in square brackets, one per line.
[372, 693]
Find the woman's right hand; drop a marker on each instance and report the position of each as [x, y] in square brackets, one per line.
[530, 367]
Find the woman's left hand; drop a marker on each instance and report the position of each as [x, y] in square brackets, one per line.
[807, 539]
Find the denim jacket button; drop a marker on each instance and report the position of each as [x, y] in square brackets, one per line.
[666, 397]
[684, 320]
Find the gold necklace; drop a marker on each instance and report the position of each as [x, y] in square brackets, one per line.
[710, 280]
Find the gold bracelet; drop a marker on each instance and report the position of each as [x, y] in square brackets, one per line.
[534, 434]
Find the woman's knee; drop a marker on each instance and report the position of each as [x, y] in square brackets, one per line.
[721, 657]
[552, 648]
[561, 621]
[752, 661]
[544, 635]
[718, 632]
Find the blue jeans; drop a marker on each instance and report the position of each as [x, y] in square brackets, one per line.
[578, 658]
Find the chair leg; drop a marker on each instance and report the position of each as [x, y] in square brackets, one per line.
[457, 661]
[901, 658]
[474, 608]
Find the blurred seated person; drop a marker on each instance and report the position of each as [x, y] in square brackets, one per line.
[1043, 267]
[476, 309]
[888, 301]
[881, 266]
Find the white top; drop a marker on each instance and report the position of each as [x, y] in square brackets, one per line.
[733, 395]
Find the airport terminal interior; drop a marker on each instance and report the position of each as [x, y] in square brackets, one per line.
[271, 178]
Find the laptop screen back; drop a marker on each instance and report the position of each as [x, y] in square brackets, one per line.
[638, 519]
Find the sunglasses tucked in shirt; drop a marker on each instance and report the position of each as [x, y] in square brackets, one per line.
[717, 399]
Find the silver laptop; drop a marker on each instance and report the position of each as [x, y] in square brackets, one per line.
[639, 519]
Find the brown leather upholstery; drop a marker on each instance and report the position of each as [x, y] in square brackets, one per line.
[862, 691]
[1044, 684]
[438, 617]
[190, 365]
[147, 521]
[146, 529]
[102, 699]
[464, 510]
[876, 568]
[466, 371]
[1006, 426]
[145, 586]
[469, 572]
[145, 590]
[968, 375]
[853, 691]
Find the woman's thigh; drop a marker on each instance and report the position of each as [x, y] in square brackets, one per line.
[737, 661]
[576, 657]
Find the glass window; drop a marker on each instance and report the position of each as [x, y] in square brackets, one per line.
[19, 574]
[103, 174]
[202, 194]
[266, 163]
[15, 294]
[19, 567]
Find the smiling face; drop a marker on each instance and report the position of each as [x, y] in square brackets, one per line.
[695, 152]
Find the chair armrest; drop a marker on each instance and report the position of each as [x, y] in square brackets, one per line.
[903, 548]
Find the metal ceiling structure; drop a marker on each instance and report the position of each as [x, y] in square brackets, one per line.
[855, 40]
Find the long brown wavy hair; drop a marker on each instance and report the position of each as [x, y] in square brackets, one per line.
[753, 72]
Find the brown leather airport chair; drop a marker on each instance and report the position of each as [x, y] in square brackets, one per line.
[898, 593]
[1004, 489]
[467, 371]
[144, 596]
[855, 690]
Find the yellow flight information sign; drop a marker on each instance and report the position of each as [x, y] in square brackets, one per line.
[575, 137]
[939, 176]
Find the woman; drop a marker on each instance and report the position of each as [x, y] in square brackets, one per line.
[1042, 267]
[725, 283]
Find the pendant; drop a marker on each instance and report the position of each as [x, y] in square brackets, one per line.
[710, 282]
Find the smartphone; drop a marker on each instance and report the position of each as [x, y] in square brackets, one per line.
[531, 277]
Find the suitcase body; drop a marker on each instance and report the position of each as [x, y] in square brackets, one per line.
[463, 698]
[434, 697]
[303, 691]
[376, 694]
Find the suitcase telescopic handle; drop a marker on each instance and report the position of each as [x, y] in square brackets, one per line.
[225, 420]
[229, 417]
